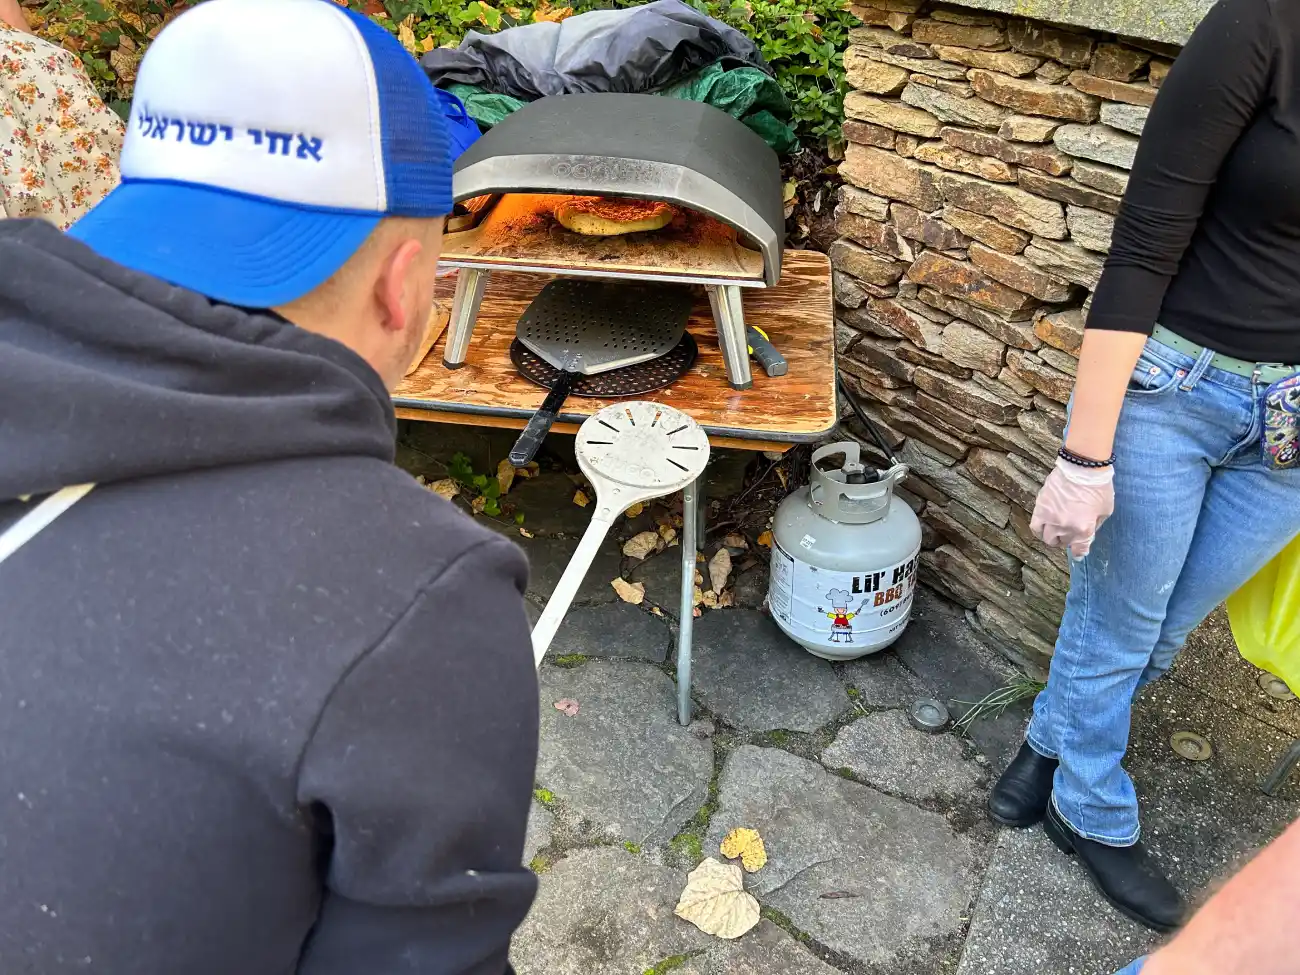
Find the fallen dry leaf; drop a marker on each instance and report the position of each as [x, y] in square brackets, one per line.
[629, 592]
[479, 504]
[765, 539]
[635, 510]
[445, 489]
[125, 64]
[735, 541]
[656, 610]
[716, 902]
[427, 44]
[720, 569]
[545, 13]
[568, 706]
[407, 37]
[643, 545]
[668, 533]
[699, 577]
[697, 612]
[526, 533]
[746, 844]
[709, 600]
[580, 499]
[726, 600]
[532, 470]
[505, 475]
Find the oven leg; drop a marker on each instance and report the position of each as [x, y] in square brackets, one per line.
[692, 506]
[470, 285]
[729, 316]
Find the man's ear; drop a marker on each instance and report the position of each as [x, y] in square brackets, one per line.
[394, 284]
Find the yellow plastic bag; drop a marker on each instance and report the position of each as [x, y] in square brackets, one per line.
[1265, 617]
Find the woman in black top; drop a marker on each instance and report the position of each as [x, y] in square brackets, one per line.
[1174, 486]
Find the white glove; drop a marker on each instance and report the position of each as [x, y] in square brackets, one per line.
[1072, 505]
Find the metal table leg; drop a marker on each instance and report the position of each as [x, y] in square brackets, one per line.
[692, 507]
[1281, 771]
[470, 285]
[729, 316]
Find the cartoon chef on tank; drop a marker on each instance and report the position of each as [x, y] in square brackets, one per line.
[840, 617]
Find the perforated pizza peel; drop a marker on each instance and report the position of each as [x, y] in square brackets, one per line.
[585, 327]
[631, 453]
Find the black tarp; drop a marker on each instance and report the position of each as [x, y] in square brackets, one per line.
[638, 49]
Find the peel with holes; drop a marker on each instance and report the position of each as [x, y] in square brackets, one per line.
[583, 328]
[631, 453]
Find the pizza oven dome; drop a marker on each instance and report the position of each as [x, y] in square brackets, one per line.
[642, 146]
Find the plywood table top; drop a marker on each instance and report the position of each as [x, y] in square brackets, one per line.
[775, 414]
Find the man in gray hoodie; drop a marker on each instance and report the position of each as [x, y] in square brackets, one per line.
[266, 705]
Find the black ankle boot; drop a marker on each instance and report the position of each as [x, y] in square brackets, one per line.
[1020, 796]
[1124, 875]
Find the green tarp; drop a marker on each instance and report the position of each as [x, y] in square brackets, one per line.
[744, 93]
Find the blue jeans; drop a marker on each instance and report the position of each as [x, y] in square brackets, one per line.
[1133, 969]
[1196, 514]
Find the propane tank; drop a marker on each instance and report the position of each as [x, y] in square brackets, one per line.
[844, 558]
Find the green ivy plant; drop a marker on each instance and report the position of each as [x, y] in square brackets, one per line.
[802, 40]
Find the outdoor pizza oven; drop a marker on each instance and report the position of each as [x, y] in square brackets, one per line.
[722, 177]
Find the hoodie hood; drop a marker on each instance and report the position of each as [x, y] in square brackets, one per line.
[109, 375]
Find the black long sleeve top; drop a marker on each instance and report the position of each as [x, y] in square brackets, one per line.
[1207, 241]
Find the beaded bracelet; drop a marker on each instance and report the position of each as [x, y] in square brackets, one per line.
[1075, 459]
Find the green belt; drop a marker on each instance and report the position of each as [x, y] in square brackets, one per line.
[1262, 372]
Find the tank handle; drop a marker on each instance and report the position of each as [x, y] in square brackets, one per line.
[850, 503]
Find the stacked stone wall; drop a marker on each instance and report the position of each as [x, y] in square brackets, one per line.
[985, 161]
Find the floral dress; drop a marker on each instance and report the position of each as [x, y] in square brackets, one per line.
[59, 142]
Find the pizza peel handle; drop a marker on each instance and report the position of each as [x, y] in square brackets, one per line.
[539, 424]
[587, 327]
[630, 452]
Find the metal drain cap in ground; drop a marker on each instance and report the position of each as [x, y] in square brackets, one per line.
[1275, 687]
[1191, 746]
[928, 715]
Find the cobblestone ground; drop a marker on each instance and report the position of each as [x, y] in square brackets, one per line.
[881, 858]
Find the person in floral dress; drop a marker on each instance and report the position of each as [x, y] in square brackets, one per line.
[59, 142]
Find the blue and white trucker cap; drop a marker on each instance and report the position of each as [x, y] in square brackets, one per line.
[266, 141]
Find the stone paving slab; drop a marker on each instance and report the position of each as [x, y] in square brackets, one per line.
[885, 751]
[623, 762]
[547, 504]
[614, 629]
[882, 681]
[604, 911]
[750, 586]
[767, 950]
[1201, 818]
[547, 558]
[1211, 664]
[661, 575]
[540, 824]
[752, 676]
[940, 647]
[1038, 915]
[900, 880]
